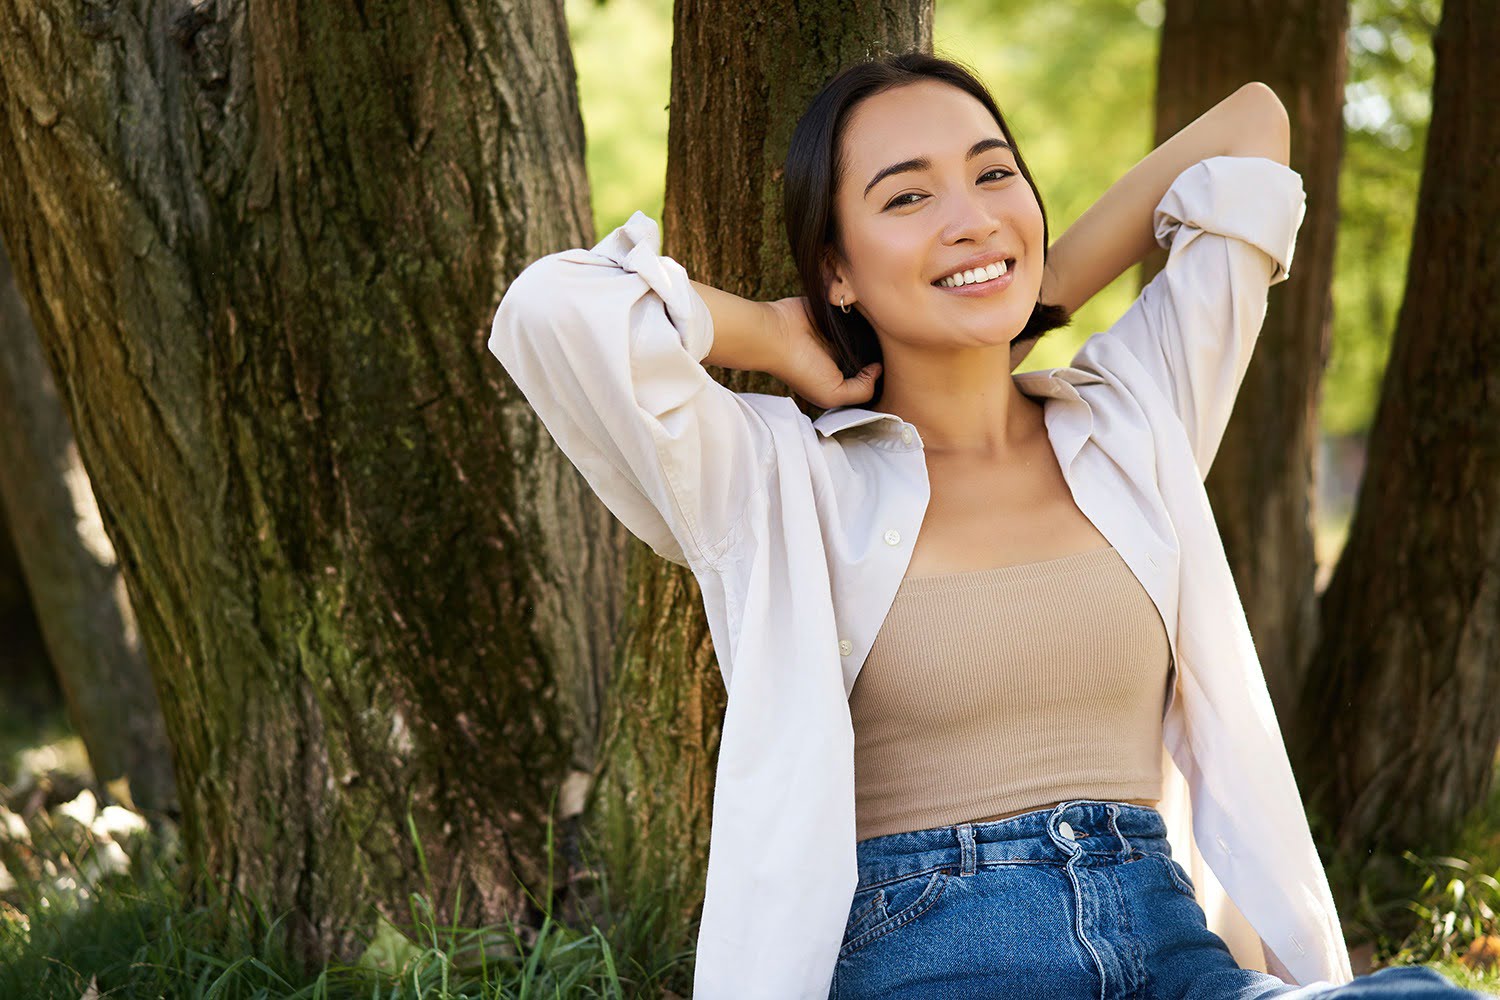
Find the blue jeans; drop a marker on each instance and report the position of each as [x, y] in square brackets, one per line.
[1082, 900]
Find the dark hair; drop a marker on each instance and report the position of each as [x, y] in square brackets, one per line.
[814, 161]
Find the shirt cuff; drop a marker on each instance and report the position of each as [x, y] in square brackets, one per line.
[1249, 198]
[636, 247]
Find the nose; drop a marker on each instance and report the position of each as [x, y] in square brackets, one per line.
[970, 217]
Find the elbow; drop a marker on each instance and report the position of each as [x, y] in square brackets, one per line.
[1263, 93]
[1269, 132]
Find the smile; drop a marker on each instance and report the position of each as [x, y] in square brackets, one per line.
[983, 281]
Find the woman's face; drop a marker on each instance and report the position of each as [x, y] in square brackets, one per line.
[911, 228]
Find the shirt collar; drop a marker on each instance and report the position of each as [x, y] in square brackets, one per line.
[1054, 383]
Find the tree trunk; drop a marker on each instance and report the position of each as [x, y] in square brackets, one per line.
[82, 610]
[1261, 482]
[1400, 722]
[28, 684]
[741, 76]
[262, 245]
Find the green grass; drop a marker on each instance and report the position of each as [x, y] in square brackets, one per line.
[138, 935]
[1459, 900]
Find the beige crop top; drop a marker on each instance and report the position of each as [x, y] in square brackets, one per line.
[991, 691]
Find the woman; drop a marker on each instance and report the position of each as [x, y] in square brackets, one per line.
[960, 801]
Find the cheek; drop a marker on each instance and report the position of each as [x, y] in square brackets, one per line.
[903, 263]
[887, 267]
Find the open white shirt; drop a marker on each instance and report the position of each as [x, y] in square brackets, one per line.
[800, 531]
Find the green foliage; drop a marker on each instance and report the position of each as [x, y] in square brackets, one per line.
[1453, 901]
[1387, 110]
[1456, 904]
[623, 51]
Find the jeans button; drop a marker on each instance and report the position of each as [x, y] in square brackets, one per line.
[1065, 829]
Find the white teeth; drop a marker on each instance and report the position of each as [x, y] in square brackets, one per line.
[978, 274]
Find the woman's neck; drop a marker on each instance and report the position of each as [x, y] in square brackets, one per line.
[962, 402]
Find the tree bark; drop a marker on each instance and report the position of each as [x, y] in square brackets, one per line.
[262, 245]
[741, 76]
[1261, 483]
[1401, 719]
[82, 610]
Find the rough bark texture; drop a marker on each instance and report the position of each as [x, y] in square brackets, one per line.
[1261, 482]
[82, 610]
[262, 244]
[1400, 720]
[741, 76]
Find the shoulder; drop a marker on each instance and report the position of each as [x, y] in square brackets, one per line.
[1123, 398]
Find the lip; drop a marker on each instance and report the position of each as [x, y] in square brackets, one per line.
[981, 288]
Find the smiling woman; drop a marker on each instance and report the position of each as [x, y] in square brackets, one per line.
[962, 628]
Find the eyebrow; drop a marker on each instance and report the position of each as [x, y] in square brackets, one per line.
[925, 163]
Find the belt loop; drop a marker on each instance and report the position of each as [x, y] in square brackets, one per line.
[1114, 826]
[966, 848]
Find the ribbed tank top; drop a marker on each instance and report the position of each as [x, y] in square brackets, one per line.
[993, 691]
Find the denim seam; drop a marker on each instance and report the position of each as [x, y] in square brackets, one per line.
[903, 876]
[931, 894]
[982, 865]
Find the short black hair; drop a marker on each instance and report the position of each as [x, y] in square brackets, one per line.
[813, 166]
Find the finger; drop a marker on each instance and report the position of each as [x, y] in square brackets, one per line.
[862, 386]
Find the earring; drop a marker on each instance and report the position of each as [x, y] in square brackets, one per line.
[841, 304]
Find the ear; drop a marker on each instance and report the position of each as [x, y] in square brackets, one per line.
[836, 283]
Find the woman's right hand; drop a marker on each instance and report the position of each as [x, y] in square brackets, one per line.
[806, 365]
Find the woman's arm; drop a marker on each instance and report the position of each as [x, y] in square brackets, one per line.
[778, 338]
[606, 346]
[1229, 225]
[1116, 232]
[746, 335]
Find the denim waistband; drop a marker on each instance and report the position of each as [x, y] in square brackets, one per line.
[1099, 831]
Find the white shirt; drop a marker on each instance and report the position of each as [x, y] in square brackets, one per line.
[799, 532]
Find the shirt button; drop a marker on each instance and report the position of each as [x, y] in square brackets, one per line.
[1065, 829]
[892, 537]
[845, 647]
[906, 435]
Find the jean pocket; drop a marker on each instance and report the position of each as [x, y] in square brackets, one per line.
[1181, 881]
[878, 910]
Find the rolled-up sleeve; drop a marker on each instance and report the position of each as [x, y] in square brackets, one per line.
[606, 345]
[1230, 225]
